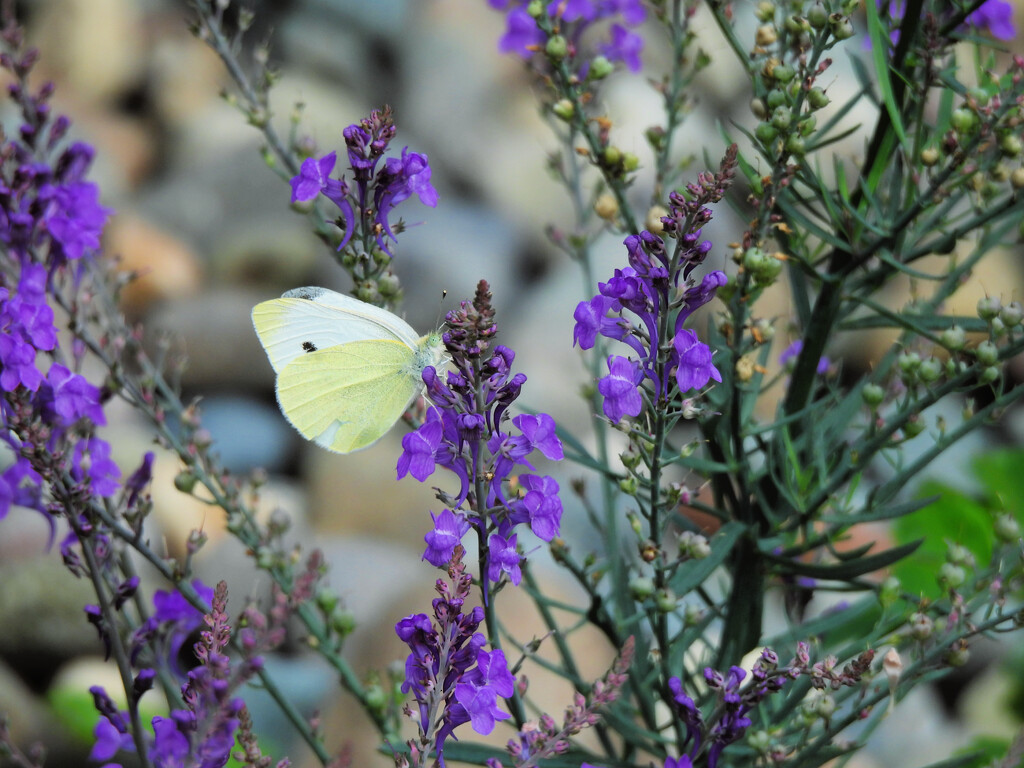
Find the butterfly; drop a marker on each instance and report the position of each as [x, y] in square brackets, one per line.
[346, 370]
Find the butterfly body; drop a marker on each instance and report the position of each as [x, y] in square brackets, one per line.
[346, 370]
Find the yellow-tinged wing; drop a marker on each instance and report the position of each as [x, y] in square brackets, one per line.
[346, 397]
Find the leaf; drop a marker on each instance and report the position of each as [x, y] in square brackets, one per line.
[880, 44]
[882, 512]
[848, 570]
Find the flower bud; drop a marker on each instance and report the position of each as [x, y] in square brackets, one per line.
[1011, 145]
[889, 591]
[872, 394]
[930, 370]
[783, 73]
[988, 307]
[929, 156]
[807, 125]
[343, 621]
[535, 9]
[817, 98]
[963, 120]
[641, 588]
[653, 221]
[781, 118]
[665, 600]
[606, 206]
[765, 35]
[842, 29]
[757, 106]
[557, 48]
[185, 481]
[1007, 528]
[817, 17]
[765, 10]
[908, 362]
[765, 133]
[825, 706]
[776, 99]
[951, 576]
[1017, 178]
[563, 109]
[953, 338]
[958, 554]
[913, 427]
[1011, 314]
[958, 655]
[628, 486]
[989, 375]
[987, 353]
[795, 145]
[375, 698]
[921, 626]
[630, 162]
[600, 68]
[326, 600]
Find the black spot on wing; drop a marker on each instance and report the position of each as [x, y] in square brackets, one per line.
[308, 346]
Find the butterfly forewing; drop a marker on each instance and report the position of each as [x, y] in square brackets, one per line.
[346, 397]
[308, 319]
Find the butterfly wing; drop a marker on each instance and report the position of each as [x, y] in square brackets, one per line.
[346, 397]
[305, 320]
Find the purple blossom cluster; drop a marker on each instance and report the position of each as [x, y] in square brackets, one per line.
[573, 18]
[993, 16]
[367, 208]
[202, 733]
[467, 431]
[50, 224]
[646, 304]
[451, 677]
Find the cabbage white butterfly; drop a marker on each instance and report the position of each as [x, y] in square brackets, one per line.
[346, 370]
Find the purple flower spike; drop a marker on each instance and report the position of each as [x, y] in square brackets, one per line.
[479, 690]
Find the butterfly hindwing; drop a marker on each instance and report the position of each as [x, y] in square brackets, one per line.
[347, 396]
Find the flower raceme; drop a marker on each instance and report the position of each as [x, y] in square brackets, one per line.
[646, 304]
[378, 190]
[524, 36]
[469, 431]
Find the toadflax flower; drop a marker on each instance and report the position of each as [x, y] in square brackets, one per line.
[646, 304]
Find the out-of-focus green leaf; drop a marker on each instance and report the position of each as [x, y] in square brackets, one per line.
[845, 570]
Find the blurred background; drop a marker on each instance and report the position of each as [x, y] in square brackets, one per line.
[208, 227]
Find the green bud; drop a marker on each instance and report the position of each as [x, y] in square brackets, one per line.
[630, 162]
[692, 616]
[754, 259]
[951, 576]
[665, 600]
[958, 655]
[921, 626]
[1017, 178]
[889, 591]
[628, 486]
[963, 120]
[535, 9]
[989, 375]
[929, 156]
[817, 17]
[185, 481]
[783, 73]
[612, 156]
[1011, 145]
[600, 68]
[557, 48]
[953, 338]
[908, 362]
[264, 558]
[795, 145]
[873, 395]
[1012, 314]
[765, 133]
[765, 10]
[996, 328]
[930, 370]
[987, 353]
[1007, 528]
[375, 698]
[958, 554]
[760, 742]
[326, 600]
[817, 98]
[563, 109]
[776, 99]
[343, 621]
[641, 588]
[781, 118]
[807, 125]
[913, 427]
[988, 307]
[980, 96]
[842, 29]
[825, 706]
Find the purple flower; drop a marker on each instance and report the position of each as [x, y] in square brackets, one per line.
[522, 35]
[540, 506]
[694, 367]
[591, 319]
[573, 10]
[683, 761]
[625, 46]
[479, 689]
[18, 362]
[539, 429]
[91, 463]
[77, 219]
[170, 746]
[312, 177]
[449, 528]
[620, 389]
[20, 485]
[70, 397]
[419, 448]
[502, 557]
[792, 352]
[997, 17]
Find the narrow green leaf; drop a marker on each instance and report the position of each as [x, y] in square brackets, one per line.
[882, 513]
[848, 570]
[880, 44]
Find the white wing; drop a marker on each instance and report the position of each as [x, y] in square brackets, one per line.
[308, 319]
